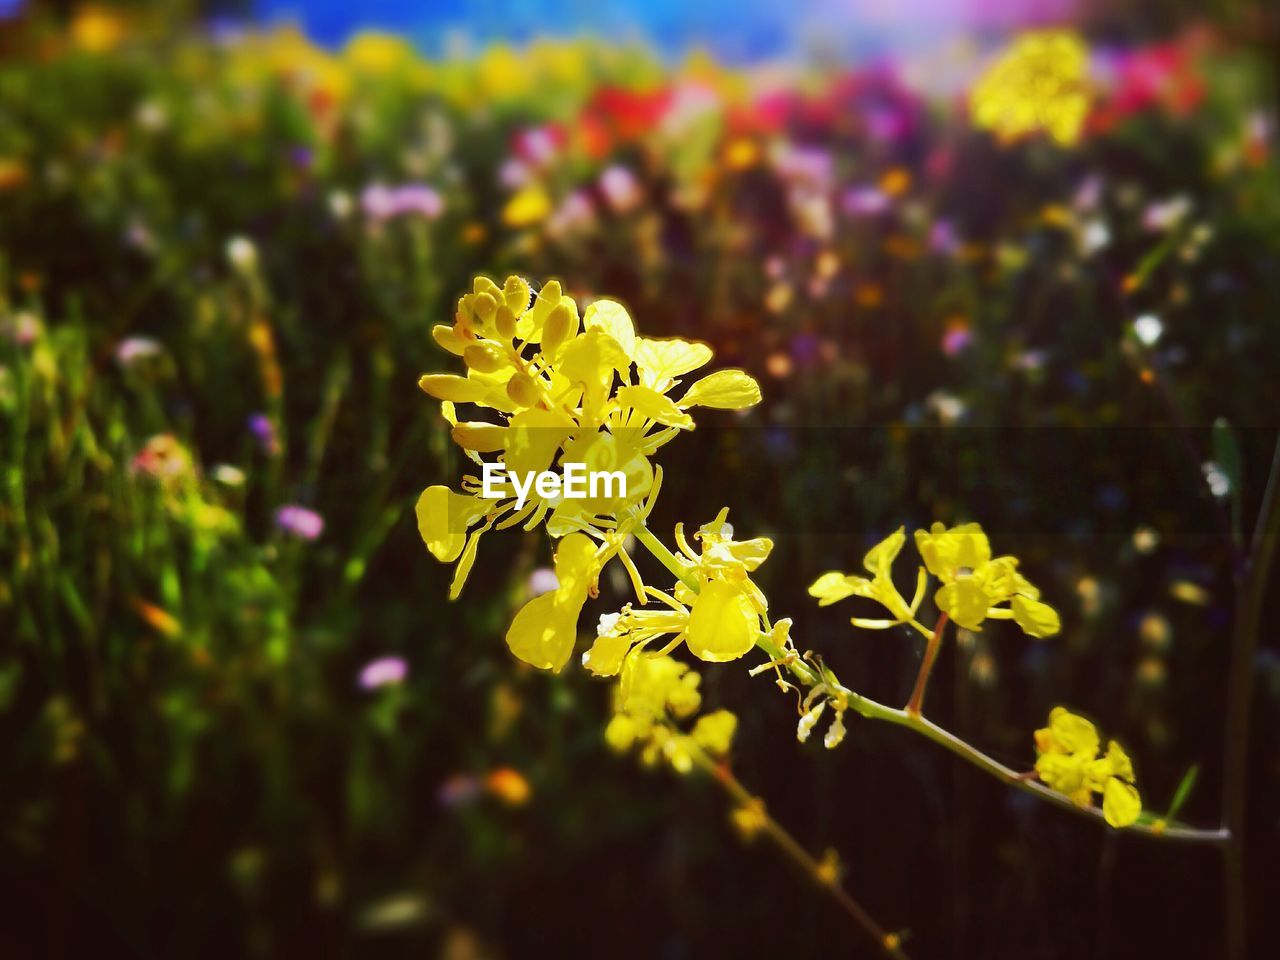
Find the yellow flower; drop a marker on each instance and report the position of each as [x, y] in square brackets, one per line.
[1067, 761]
[377, 54]
[750, 819]
[96, 29]
[975, 586]
[714, 732]
[720, 621]
[567, 390]
[653, 695]
[527, 206]
[833, 585]
[1037, 85]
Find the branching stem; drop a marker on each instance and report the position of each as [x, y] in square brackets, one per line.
[913, 720]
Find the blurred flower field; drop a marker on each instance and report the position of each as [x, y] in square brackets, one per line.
[1029, 281]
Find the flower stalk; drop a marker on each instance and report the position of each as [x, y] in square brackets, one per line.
[926, 666]
[913, 719]
[720, 772]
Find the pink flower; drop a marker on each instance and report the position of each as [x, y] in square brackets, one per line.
[621, 189]
[299, 522]
[383, 672]
[133, 349]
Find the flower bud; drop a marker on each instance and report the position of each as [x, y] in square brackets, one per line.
[556, 330]
[522, 390]
[484, 306]
[505, 322]
[484, 357]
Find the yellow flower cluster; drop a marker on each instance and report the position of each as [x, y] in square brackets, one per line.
[1068, 761]
[566, 389]
[1037, 85]
[652, 694]
[974, 585]
[718, 622]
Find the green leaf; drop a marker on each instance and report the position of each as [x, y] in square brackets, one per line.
[1185, 786]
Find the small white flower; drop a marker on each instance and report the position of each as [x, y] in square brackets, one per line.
[242, 254]
[1148, 329]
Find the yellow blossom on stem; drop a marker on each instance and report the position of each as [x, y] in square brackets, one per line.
[975, 586]
[563, 389]
[719, 621]
[1068, 761]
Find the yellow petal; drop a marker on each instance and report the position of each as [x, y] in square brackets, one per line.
[833, 586]
[1062, 772]
[1035, 618]
[1121, 804]
[605, 657]
[751, 553]
[662, 360]
[465, 563]
[589, 362]
[1071, 733]
[946, 552]
[443, 518]
[965, 602]
[533, 439]
[612, 317]
[723, 624]
[654, 406]
[544, 631]
[880, 557]
[1121, 765]
[723, 390]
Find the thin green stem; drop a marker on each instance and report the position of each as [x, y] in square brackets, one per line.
[678, 568]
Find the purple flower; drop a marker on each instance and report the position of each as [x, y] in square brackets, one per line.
[382, 203]
[807, 167]
[805, 348]
[419, 199]
[958, 337]
[264, 431]
[942, 238]
[299, 522]
[383, 672]
[865, 201]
